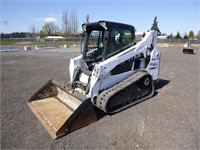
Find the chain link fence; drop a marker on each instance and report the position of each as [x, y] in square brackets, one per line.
[68, 39]
[77, 39]
[182, 41]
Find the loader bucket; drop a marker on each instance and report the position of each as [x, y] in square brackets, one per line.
[60, 109]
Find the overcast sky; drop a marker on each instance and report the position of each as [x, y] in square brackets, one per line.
[172, 15]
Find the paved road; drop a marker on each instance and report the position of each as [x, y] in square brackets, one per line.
[169, 120]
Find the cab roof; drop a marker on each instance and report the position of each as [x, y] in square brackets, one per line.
[107, 25]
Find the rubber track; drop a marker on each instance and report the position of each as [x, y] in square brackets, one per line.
[104, 96]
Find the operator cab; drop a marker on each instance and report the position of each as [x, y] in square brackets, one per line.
[105, 39]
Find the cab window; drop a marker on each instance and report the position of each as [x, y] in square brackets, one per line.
[95, 46]
[120, 39]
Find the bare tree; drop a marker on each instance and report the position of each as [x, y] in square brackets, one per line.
[65, 22]
[74, 22]
[69, 23]
[50, 29]
[3, 21]
[33, 30]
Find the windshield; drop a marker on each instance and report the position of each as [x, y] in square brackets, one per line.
[95, 46]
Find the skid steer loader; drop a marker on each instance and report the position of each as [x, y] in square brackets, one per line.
[112, 73]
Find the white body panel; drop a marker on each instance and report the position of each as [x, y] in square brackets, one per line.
[74, 63]
[84, 78]
[101, 77]
[154, 65]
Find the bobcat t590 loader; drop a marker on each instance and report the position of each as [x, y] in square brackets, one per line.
[112, 73]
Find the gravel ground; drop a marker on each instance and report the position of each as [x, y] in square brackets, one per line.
[169, 120]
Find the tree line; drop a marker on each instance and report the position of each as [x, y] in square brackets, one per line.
[70, 26]
[191, 34]
[16, 35]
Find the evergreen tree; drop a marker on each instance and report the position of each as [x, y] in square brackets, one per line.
[155, 26]
[42, 34]
[170, 36]
[191, 35]
[185, 36]
[198, 35]
[178, 35]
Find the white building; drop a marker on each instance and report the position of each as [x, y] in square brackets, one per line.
[54, 38]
